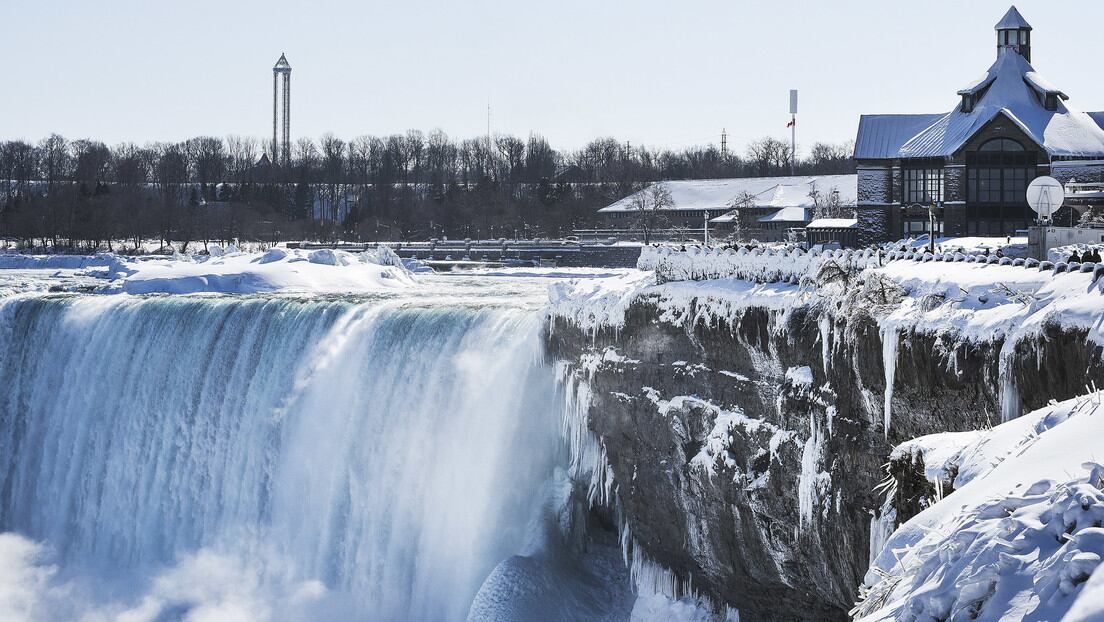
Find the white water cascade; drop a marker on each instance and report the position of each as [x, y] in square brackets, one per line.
[269, 457]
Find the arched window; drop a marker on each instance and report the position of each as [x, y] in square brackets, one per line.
[997, 175]
[1001, 144]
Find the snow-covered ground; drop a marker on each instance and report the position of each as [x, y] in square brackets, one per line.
[984, 301]
[1022, 535]
[1009, 245]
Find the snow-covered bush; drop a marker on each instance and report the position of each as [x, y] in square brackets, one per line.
[760, 265]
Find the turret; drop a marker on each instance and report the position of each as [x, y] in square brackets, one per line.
[1014, 34]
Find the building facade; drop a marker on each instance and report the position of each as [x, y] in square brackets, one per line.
[761, 208]
[973, 164]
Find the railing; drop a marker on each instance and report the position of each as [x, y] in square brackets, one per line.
[767, 265]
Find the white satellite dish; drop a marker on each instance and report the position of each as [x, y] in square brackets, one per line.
[1045, 195]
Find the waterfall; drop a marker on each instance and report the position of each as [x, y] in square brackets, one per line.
[370, 460]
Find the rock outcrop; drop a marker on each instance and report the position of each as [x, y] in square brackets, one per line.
[746, 450]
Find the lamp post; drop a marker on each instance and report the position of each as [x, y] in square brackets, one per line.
[931, 228]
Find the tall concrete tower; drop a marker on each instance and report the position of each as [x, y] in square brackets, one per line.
[281, 114]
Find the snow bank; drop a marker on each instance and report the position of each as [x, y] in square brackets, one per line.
[230, 271]
[1021, 536]
[592, 304]
[600, 303]
[277, 270]
[1011, 246]
[59, 262]
[987, 301]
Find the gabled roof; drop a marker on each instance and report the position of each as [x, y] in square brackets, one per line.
[1016, 94]
[776, 192]
[788, 214]
[1011, 87]
[882, 135]
[1012, 20]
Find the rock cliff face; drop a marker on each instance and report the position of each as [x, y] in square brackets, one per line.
[746, 452]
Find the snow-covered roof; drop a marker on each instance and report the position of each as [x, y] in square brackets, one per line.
[1012, 20]
[788, 214]
[881, 135]
[833, 223]
[1062, 132]
[1011, 88]
[726, 217]
[1042, 85]
[777, 192]
[1098, 117]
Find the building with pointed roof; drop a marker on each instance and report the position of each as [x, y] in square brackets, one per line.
[975, 162]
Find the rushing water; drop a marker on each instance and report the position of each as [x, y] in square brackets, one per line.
[170, 458]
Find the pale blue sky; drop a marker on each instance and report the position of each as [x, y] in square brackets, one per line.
[655, 72]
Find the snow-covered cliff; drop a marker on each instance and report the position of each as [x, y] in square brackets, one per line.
[744, 426]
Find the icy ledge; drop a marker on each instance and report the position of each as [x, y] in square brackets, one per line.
[661, 596]
[1022, 536]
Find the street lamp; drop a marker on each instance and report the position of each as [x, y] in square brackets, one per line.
[931, 227]
[931, 207]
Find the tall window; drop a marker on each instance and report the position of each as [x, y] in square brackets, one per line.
[997, 175]
[923, 185]
[999, 172]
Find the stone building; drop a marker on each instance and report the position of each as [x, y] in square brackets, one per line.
[975, 162]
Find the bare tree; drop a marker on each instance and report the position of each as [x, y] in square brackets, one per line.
[741, 222]
[649, 208]
[826, 205]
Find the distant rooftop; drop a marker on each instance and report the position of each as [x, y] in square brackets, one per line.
[766, 192]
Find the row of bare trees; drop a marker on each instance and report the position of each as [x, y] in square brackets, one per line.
[66, 194]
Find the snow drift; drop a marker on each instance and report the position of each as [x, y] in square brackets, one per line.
[1022, 536]
[277, 270]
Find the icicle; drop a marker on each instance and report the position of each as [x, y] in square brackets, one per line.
[1010, 393]
[825, 325]
[889, 363]
[882, 525]
[811, 479]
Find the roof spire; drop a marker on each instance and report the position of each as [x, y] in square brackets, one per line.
[282, 65]
[1014, 33]
[1012, 20]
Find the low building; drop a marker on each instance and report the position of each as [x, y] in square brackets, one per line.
[842, 231]
[975, 162]
[762, 208]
